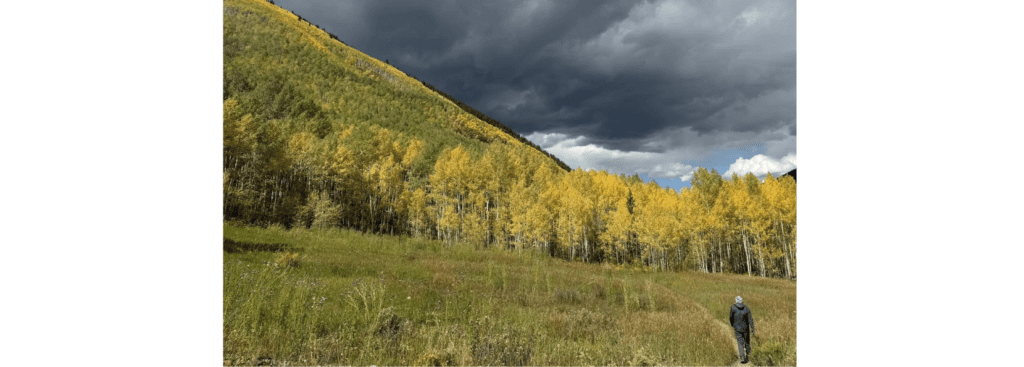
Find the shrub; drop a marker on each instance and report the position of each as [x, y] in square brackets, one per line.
[367, 297]
[287, 259]
[434, 357]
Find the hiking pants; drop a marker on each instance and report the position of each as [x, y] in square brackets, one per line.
[743, 343]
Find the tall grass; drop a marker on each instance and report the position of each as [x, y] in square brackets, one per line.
[354, 299]
[271, 312]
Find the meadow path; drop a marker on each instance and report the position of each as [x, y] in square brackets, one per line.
[728, 331]
[725, 328]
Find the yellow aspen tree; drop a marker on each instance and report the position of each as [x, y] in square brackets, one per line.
[611, 196]
[475, 220]
[441, 194]
[522, 196]
[344, 169]
[756, 222]
[474, 210]
[575, 214]
[232, 120]
[668, 231]
[788, 205]
[449, 182]
[653, 223]
[721, 219]
[506, 167]
[412, 152]
[563, 225]
[780, 195]
[736, 201]
[482, 177]
[301, 146]
[685, 212]
[541, 214]
[380, 163]
[641, 222]
[618, 231]
[707, 185]
[384, 176]
[666, 225]
[323, 210]
[417, 209]
[518, 199]
[448, 223]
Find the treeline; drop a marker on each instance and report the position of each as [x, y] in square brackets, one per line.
[508, 196]
[739, 225]
[353, 178]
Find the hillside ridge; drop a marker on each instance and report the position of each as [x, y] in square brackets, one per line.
[390, 73]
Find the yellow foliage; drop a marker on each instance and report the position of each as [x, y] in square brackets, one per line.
[287, 259]
[412, 151]
[343, 161]
[301, 144]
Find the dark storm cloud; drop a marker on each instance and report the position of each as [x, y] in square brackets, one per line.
[628, 76]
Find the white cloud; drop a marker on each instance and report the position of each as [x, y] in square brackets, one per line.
[575, 153]
[677, 146]
[760, 165]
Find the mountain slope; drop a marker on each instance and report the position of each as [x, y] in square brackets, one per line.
[286, 71]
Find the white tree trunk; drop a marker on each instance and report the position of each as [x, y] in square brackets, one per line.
[746, 248]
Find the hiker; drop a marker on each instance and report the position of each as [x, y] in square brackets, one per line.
[743, 323]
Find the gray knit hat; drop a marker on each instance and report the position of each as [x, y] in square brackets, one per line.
[739, 299]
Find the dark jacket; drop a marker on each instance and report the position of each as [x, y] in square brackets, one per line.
[741, 319]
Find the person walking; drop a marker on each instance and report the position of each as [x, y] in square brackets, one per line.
[743, 324]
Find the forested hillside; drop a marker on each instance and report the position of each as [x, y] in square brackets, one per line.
[319, 134]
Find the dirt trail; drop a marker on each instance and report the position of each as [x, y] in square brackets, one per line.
[728, 331]
[725, 328]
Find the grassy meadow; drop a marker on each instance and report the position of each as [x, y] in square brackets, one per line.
[339, 297]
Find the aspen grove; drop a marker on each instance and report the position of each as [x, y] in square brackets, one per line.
[509, 196]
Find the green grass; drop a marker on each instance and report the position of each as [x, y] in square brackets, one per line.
[354, 299]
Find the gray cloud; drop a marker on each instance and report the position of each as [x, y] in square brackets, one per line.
[656, 76]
